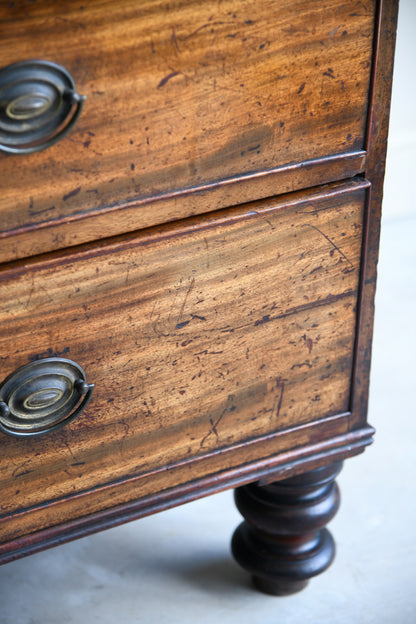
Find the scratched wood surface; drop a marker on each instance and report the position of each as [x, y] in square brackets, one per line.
[198, 337]
[179, 96]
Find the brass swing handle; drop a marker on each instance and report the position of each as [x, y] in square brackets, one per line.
[39, 105]
[42, 396]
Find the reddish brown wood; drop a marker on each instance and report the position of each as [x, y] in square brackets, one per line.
[175, 245]
[181, 95]
[283, 542]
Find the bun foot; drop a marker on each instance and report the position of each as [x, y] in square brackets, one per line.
[283, 542]
[278, 588]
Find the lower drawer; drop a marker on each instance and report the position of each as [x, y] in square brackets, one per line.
[200, 337]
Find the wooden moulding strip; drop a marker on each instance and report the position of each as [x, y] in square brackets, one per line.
[103, 222]
[278, 443]
[276, 467]
[146, 236]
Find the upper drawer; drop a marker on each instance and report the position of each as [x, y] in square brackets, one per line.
[182, 96]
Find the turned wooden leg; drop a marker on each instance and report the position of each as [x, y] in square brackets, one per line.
[282, 542]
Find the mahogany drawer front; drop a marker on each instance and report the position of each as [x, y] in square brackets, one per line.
[199, 337]
[182, 98]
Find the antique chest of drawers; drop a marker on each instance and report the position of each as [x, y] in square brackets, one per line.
[190, 207]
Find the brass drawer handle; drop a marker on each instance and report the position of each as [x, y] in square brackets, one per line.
[39, 105]
[42, 396]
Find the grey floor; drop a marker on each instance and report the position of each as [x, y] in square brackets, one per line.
[176, 567]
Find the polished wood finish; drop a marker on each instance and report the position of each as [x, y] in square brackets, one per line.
[283, 541]
[181, 96]
[204, 243]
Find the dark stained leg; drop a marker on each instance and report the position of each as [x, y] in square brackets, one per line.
[283, 542]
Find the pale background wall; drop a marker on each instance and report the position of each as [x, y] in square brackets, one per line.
[400, 172]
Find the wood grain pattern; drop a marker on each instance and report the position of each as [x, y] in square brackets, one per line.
[227, 347]
[127, 217]
[243, 314]
[184, 97]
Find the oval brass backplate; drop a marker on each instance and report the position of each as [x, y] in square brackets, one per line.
[41, 396]
[39, 104]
